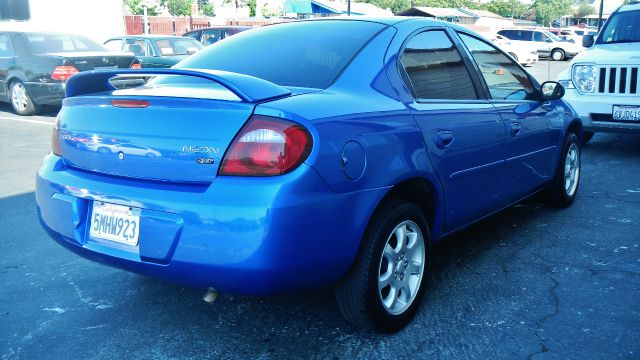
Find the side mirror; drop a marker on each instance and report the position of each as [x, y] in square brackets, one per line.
[588, 40]
[551, 90]
[548, 40]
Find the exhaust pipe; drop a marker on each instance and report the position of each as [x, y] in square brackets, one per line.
[211, 295]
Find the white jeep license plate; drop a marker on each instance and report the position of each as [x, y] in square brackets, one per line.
[115, 223]
[626, 113]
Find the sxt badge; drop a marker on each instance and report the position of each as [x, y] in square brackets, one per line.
[205, 161]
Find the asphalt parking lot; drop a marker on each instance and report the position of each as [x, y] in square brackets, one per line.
[533, 282]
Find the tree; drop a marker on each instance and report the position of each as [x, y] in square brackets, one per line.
[585, 10]
[547, 10]
[179, 7]
[252, 8]
[206, 8]
[394, 5]
[506, 8]
[136, 7]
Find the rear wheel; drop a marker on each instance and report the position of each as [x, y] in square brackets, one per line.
[562, 190]
[384, 288]
[557, 54]
[21, 102]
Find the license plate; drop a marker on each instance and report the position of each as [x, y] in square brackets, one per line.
[626, 113]
[115, 223]
[105, 67]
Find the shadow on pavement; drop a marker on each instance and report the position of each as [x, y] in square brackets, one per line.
[514, 285]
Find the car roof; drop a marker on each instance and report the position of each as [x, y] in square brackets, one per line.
[149, 36]
[220, 28]
[629, 7]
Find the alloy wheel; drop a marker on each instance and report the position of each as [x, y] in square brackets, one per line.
[19, 97]
[572, 169]
[401, 267]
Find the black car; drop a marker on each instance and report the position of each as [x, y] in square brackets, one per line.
[34, 66]
[210, 35]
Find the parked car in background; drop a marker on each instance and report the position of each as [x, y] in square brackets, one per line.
[572, 34]
[522, 53]
[210, 35]
[155, 51]
[565, 35]
[307, 154]
[603, 82]
[547, 44]
[34, 66]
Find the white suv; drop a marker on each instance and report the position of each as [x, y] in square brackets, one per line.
[603, 82]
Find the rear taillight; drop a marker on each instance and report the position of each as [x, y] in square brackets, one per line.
[136, 66]
[55, 138]
[266, 147]
[130, 103]
[63, 72]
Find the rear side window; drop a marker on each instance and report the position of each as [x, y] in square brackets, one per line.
[114, 45]
[210, 36]
[435, 68]
[509, 34]
[5, 46]
[42, 43]
[305, 54]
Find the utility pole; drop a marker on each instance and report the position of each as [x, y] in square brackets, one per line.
[145, 24]
[348, 7]
[600, 15]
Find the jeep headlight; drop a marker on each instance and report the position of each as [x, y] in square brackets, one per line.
[584, 78]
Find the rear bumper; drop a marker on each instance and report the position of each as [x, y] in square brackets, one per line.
[596, 110]
[46, 93]
[238, 235]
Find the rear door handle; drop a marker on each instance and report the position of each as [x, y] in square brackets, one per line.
[516, 128]
[443, 139]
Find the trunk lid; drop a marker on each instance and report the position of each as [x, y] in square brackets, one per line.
[97, 60]
[173, 139]
[176, 128]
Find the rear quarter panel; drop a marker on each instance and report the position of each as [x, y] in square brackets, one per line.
[366, 116]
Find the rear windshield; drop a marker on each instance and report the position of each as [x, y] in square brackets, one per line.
[55, 43]
[170, 47]
[621, 28]
[303, 54]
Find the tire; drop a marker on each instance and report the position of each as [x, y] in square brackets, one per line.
[557, 55]
[587, 136]
[360, 294]
[20, 100]
[563, 188]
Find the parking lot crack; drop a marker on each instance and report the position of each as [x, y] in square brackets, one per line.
[544, 348]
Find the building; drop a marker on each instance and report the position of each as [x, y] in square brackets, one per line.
[446, 14]
[97, 19]
[479, 20]
[321, 8]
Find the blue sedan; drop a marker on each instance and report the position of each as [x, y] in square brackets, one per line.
[306, 154]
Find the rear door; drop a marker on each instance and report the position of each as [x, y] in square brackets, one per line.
[543, 42]
[533, 128]
[463, 132]
[7, 61]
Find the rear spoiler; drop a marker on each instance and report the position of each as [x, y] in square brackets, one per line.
[247, 88]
